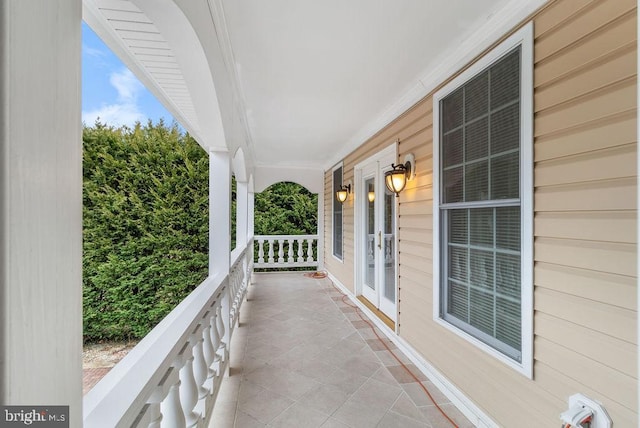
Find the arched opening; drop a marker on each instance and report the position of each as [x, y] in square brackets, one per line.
[286, 227]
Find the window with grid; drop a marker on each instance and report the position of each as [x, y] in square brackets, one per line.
[480, 206]
[337, 214]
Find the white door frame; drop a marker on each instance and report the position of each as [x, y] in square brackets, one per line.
[384, 158]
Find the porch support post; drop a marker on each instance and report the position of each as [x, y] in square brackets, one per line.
[219, 212]
[220, 226]
[251, 211]
[320, 230]
[41, 204]
[242, 212]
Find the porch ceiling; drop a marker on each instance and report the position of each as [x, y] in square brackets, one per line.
[298, 83]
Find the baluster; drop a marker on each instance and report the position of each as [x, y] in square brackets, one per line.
[222, 347]
[260, 251]
[271, 259]
[290, 251]
[244, 272]
[159, 395]
[280, 250]
[171, 407]
[300, 250]
[310, 250]
[240, 282]
[188, 387]
[215, 343]
[200, 370]
[208, 351]
[233, 287]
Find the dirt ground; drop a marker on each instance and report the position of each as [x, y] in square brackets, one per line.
[107, 354]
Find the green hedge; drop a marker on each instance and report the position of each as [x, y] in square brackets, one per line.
[146, 228]
[146, 231]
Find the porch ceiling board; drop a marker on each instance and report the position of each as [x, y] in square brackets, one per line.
[301, 84]
[145, 46]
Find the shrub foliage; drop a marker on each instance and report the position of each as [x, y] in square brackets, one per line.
[146, 227]
[145, 219]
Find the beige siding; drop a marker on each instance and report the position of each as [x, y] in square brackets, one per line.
[585, 337]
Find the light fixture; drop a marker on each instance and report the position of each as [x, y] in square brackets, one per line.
[371, 196]
[343, 193]
[396, 179]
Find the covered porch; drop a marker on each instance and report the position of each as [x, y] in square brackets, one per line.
[303, 356]
[330, 98]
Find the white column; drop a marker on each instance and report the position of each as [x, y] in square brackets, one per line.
[320, 230]
[251, 211]
[242, 214]
[219, 212]
[220, 229]
[41, 204]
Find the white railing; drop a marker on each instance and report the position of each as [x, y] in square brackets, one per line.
[239, 278]
[286, 251]
[172, 377]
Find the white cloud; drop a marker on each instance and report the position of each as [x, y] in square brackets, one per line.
[125, 111]
[127, 85]
[94, 52]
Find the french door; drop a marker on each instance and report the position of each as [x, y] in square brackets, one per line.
[376, 233]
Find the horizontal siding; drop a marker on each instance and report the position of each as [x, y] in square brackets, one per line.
[585, 202]
[600, 134]
[585, 225]
[606, 288]
[616, 354]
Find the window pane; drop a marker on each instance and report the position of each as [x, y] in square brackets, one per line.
[505, 176]
[452, 111]
[452, 148]
[505, 79]
[337, 235]
[482, 227]
[458, 301]
[452, 186]
[476, 140]
[458, 262]
[481, 269]
[481, 311]
[475, 97]
[458, 233]
[505, 129]
[508, 322]
[508, 276]
[508, 228]
[337, 214]
[476, 182]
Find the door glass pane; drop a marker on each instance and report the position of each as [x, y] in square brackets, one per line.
[370, 235]
[389, 246]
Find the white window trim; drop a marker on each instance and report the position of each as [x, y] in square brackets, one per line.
[523, 38]
[333, 202]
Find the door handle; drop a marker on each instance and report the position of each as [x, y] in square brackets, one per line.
[379, 240]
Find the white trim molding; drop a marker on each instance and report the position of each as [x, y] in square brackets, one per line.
[524, 39]
[463, 403]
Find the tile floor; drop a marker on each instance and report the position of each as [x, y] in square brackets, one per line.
[303, 358]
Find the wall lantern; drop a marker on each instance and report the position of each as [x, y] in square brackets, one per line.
[343, 193]
[396, 179]
[371, 195]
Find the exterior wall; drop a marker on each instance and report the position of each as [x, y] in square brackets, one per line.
[41, 205]
[585, 323]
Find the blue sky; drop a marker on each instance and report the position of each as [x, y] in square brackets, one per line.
[110, 91]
